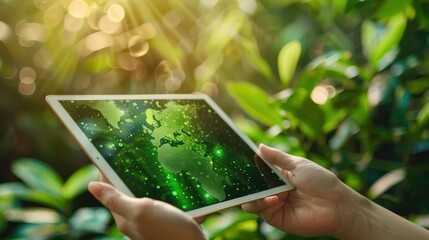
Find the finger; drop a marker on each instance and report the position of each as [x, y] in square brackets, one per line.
[260, 205]
[200, 220]
[111, 198]
[278, 158]
[103, 178]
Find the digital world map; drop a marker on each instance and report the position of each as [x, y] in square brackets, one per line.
[178, 151]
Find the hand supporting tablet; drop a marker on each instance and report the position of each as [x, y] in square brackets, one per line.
[180, 149]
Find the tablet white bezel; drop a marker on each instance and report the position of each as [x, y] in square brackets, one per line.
[101, 163]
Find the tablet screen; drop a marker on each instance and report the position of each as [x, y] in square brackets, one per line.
[179, 151]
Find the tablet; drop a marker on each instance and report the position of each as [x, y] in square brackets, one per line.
[178, 148]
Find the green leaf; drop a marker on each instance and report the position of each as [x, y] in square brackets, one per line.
[251, 51]
[368, 37]
[38, 175]
[46, 199]
[304, 113]
[99, 62]
[344, 132]
[288, 61]
[339, 6]
[229, 220]
[391, 8]
[423, 116]
[77, 183]
[379, 41]
[12, 190]
[93, 220]
[255, 102]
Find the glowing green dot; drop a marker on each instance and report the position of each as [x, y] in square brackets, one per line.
[158, 187]
[184, 206]
[218, 151]
[120, 144]
[101, 145]
[174, 193]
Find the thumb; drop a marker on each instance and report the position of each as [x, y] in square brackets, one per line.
[111, 198]
[276, 157]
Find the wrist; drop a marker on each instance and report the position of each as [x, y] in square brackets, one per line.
[353, 215]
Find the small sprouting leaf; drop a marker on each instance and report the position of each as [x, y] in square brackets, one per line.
[38, 175]
[77, 183]
[255, 102]
[288, 61]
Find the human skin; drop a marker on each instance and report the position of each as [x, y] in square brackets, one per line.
[319, 205]
[322, 205]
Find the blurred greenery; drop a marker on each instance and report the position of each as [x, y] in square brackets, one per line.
[342, 82]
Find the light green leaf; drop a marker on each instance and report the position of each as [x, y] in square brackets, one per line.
[288, 60]
[99, 63]
[94, 220]
[393, 35]
[392, 7]
[77, 183]
[251, 51]
[379, 41]
[12, 190]
[45, 199]
[423, 116]
[255, 102]
[38, 175]
[339, 6]
[368, 37]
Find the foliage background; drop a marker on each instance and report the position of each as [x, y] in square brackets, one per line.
[342, 82]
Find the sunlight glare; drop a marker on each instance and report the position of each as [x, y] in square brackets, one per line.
[72, 24]
[53, 16]
[5, 31]
[138, 46]
[78, 9]
[116, 13]
[108, 26]
[321, 94]
[98, 41]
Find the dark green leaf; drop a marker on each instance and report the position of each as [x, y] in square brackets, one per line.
[305, 113]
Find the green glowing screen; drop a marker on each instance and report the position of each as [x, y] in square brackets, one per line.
[178, 151]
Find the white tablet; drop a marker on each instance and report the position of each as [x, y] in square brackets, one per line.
[181, 149]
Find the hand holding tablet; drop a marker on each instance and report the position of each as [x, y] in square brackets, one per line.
[180, 149]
